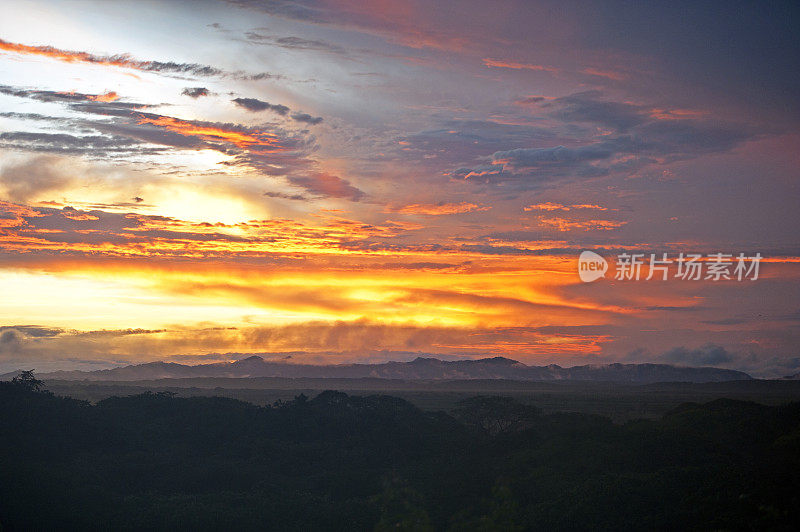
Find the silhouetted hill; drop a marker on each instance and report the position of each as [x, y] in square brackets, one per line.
[417, 369]
[341, 462]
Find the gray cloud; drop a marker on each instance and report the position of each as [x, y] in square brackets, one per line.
[530, 100]
[555, 157]
[307, 118]
[282, 195]
[10, 341]
[589, 107]
[455, 141]
[34, 331]
[65, 144]
[195, 92]
[294, 43]
[255, 105]
[328, 185]
[38, 175]
[707, 355]
[638, 139]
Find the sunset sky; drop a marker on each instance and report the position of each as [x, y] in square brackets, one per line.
[341, 181]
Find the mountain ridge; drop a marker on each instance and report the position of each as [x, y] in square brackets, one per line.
[421, 368]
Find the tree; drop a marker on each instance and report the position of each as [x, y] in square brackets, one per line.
[27, 381]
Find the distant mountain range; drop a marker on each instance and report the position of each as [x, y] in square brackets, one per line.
[418, 369]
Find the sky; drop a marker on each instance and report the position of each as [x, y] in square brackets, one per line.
[336, 181]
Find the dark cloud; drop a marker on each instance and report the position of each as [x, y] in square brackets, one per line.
[76, 99]
[307, 118]
[132, 131]
[530, 100]
[591, 108]
[708, 355]
[34, 331]
[30, 116]
[559, 156]
[294, 43]
[536, 165]
[327, 185]
[455, 141]
[195, 92]
[633, 137]
[65, 144]
[255, 105]
[282, 195]
[72, 219]
[13, 338]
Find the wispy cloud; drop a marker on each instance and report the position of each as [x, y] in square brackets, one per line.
[127, 61]
[439, 209]
[498, 63]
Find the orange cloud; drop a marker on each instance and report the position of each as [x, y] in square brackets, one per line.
[107, 97]
[61, 55]
[439, 209]
[213, 133]
[120, 60]
[560, 207]
[562, 224]
[590, 206]
[497, 63]
[131, 235]
[677, 114]
[547, 207]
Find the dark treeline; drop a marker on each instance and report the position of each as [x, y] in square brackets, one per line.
[339, 462]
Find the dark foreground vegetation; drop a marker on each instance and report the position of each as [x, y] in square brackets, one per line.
[339, 462]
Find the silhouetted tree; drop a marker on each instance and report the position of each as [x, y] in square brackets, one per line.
[27, 381]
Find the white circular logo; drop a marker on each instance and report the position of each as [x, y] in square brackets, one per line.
[591, 266]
